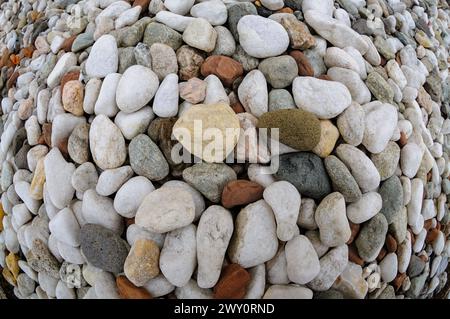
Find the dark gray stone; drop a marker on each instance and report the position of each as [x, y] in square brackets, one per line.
[391, 192]
[371, 237]
[236, 12]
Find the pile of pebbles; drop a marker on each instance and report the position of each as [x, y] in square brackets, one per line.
[94, 206]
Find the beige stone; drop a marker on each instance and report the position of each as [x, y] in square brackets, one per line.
[37, 184]
[142, 262]
[329, 135]
[209, 132]
[73, 96]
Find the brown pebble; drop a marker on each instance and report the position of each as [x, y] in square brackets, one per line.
[286, 10]
[12, 80]
[382, 254]
[324, 77]
[67, 44]
[355, 230]
[237, 107]
[398, 281]
[233, 283]
[431, 236]
[225, 68]
[403, 139]
[353, 255]
[129, 221]
[69, 76]
[241, 192]
[127, 290]
[304, 67]
[47, 133]
[391, 244]
[427, 224]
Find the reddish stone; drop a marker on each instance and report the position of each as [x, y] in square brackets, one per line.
[432, 235]
[47, 133]
[403, 139]
[286, 10]
[398, 281]
[225, 68]
[241, 192]
[129, 221]
[391, 244]
[233, 283]
[67, 44]
[69, 76]
[382, 254]
[63, 147]
[15, 59]
[4, 60]
[27, 52]
[12, 80]
[427, 224]
[438, 226]
[353, 256]
[355, 230]
[304, 67]
[143, 3]
[237, 107]
[127, 290]
[325, 77]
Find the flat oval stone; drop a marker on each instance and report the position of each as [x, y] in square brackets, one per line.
[241, 192]
[391, 192]
[302, 260]
[341, 178]
[365, 208]
[166, 209]
[371, 237]
[306, 172]
[103, 58]
[387, 161]
[103, 248]
[146, 159]
[297, 128]
[217, 117]
[141, 264]
[279, 71]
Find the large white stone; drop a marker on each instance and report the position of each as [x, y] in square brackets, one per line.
[103, 58]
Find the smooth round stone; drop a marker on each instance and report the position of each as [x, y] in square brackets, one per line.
[254, 228]
[84, 177]
[200, 34]
[225, 43]
[331, 266]
[261, 37]
[64, 226]
[360, 166]
[336, 57]
[103, 248]
[306, 215]
[166, 209]
[25, 284]
[325, 99]
[388, 267]
[410, 159]
[351, 124]
[146, 159]
[351, 79]
[91, 93]
[165, 103]
[134, 232]
[215, 12]
[288, 292]
[371, 237]
[280, 99]
[302, 260]
[110, 180]
[342, 180]
[329, 134]
[130, 95]
[391, 192]
[106, 143]
[62, 126]
[103, 58]
[179, 7]
[141, 264]
[209, 179]
[284, 200]
[100, 210]
[253, 93]
[173, 20]
[381, 121]
[58, 175]
[306, 172]
[161, 33]
[297, 128]
[78, 144]
[387, 161]
[66, 61]
[277, 268]
[279, 71]
[365, 208]
[192, 291]
[332, 220]
[106, 101]
[213, 236]
[164, 60]
[131, 194]
[159, 286]
[178, 258]
[133, 124]
[199, 201]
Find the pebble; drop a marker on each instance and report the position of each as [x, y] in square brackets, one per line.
[72, 97]
[215, 12]
[141, 264]
[164, 61]
[209, 179]
[332, 221]
[178, 258]
[233, 283]
[284, 200]
[133, 124]
[387, 161]
[106, 100]
[279, 71]
[78, 144]
[288, 292]
[131, 194]
[302, 260]
[254, 227]
[165, 103]
[103, 58]
[410, 159]
[103, 248]
[388, 267]
[166, 209]
[306, 172]
[241, 192]
[213, 235]
[261, 37]
[253, 93]
[110, 180]
[342, 179]
[129, 96]
[331, 266]
[391, 192]
[64, 226]
[193, 91]
[109, 152]
[160, 33]
[365, 208]
[225, 68]
[325, 99]
[371, 237]
[84, 177]
[200, 34]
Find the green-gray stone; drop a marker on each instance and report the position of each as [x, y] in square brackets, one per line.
[82, 41]
[371, 237]
[391, 192]
[379, 87]
[342, 180]
[159, 33]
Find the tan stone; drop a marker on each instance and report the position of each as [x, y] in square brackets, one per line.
[216, 131]
[142, 263]
[12, 262]
[72, 97]
[37, 184]
[329, 135]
